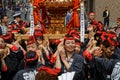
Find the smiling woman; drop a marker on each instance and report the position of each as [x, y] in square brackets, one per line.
[71, 61]
[69, 44]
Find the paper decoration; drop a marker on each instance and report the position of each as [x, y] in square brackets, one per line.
[31, 21]
[82, 22]
[66, 76]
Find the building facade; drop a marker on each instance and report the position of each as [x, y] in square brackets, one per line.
[98, 6]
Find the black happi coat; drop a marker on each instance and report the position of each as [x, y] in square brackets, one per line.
[28, 73]
[0, 31]
[99, 68]
[12, 61]
[116, 54]
[105, 14]
[76, 65]
[83, 46]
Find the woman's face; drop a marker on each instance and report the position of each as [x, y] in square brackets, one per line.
[70, 45]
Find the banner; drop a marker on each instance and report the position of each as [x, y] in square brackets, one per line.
[31, 21]
[82, 22]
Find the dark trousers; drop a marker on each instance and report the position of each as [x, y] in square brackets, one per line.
[106, 22]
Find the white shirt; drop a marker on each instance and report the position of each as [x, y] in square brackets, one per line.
[107, 13]
[4, 29]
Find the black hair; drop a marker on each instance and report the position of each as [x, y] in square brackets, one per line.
[19, 16]
[97, 37]
[76, 40]
[11, 39]
[31, 55]
[2, 17]
[43, 75]
[40, 37]
[91, 12]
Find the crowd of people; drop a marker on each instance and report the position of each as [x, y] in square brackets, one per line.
[37, 58]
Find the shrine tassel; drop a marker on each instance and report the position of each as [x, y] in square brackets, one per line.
[31, 21]
[82, 22]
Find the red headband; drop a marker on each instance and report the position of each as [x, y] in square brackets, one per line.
[37, 29]
[31, 59]
[111, 42]
[76, 36]
[38, 34]
[30, 40]
[15, 31]
[69, 38]
[57, 41]
[103, 36]
[8, 36]
[78, 43]
[72, 31]
[91, 13]
[109, 36]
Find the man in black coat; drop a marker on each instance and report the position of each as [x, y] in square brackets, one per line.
[106, 15]
[31, 61]
[103, 67]
[13, 56]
